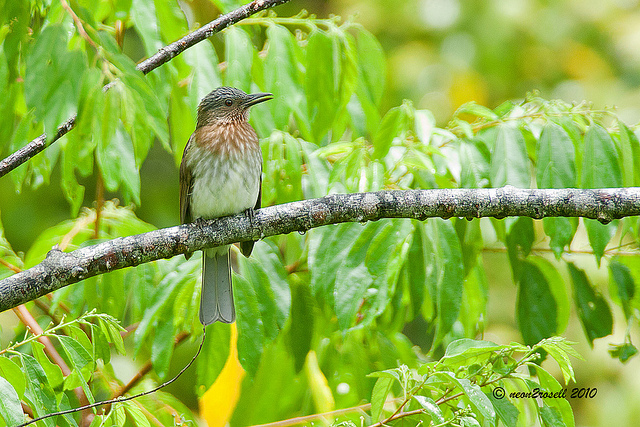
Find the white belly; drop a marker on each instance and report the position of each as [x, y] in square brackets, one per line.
[225, 185]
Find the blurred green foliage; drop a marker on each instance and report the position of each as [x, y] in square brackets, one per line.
[317, 313]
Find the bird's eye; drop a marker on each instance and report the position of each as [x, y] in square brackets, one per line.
[228, 103]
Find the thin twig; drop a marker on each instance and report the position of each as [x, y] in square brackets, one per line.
[78, 23]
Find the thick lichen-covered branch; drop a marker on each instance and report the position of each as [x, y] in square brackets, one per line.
[60, 268]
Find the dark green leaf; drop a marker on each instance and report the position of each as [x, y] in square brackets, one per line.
[599, 235]
[623, 351]
[251, 334]
[215, 352]
[449, 270]
[162, 347]
[625, 285]
[593, 310]
[505, 410]
[537, 310]
[302, 323]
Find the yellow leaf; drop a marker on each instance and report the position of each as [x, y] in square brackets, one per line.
[320, 390]
[218, 403]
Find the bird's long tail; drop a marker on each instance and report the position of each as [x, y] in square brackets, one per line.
[216, 299]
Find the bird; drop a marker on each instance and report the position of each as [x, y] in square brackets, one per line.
[220, 175]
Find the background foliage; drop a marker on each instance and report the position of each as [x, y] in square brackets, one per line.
[320, 312]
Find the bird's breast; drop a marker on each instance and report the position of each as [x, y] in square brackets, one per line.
[226, 168]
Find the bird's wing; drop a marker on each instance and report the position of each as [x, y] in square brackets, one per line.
[186, 186]
[247, 247]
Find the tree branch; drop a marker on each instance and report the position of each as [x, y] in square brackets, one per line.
[165, 54]
[60, 269]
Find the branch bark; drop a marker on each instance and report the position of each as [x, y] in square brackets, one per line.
[60, 269]
[165, 54]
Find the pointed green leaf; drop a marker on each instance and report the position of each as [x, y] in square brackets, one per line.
[537, 310]
[506, 411]
[430, 408]
[379, 396]
[509, 160]
[239, 56]
[600, 161]
[556, 166]
[593, 310]
[251, 334]
[10, 408]
[215, 352]
[624, 284]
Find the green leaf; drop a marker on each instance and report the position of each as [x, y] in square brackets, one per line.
[477, 110]
[560, 231]
[11, 372]
[623, 351]
[51, 77]
[505, 410]
[600, 161]
[468, 351]
[10, 408]
[474, 168]
[479, 401]
[449, 268]
[302, 323]
[593, 310]
[624, 284]
[143, 15]
[281, 75]
[371, 65]
[251, 334]
[537, 310]
[393, 123]
[81, 362]
[162, 347]
[557, 288]
[239, 56]
[430, 408]
[379, 396]
[136, 414]
[328, 248]
[551, 417]
[556, 167]
[112, 330]
[560, 350]
[215, 352]
[322, 76]
[53, 371]
[550, 384]
[509, 160]
[267, 278]
[38, 393]
[599, 235]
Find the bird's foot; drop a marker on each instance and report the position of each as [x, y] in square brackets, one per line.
[199, 222]
[251, 214]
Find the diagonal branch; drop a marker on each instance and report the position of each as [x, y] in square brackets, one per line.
[60, 269]
[165, 54]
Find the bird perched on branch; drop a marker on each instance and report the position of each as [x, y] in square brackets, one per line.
[220, 175]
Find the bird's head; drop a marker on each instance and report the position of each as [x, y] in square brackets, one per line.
[227, 104]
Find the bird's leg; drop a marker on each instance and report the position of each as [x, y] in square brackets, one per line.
[251, 214]
[199, 221]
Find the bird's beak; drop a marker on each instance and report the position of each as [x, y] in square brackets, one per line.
[256, 98]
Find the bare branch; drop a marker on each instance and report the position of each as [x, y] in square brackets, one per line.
[165, 54]
[60, 269]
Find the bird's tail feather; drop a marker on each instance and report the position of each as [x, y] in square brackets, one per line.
[216, 299]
